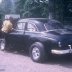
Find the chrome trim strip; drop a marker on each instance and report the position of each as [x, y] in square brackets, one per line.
[61, 51]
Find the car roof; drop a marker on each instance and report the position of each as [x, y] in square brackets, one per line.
[32, 19]
[39, 21]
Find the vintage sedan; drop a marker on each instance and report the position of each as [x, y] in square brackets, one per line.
[41, 37]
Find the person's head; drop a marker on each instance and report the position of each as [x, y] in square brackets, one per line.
[10, 18]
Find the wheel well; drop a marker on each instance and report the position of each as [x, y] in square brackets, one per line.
[37, 42]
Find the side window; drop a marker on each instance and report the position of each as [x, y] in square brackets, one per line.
[31, 27]
[20, 26]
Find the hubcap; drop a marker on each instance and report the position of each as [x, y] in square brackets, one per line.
[2, 44]
[35, 53]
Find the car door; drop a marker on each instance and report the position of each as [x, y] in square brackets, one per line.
[30, 32]
[16, 37]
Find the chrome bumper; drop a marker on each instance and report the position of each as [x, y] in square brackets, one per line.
[61, 51]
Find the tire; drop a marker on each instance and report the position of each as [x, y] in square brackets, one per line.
[2, 44]
[37, 52]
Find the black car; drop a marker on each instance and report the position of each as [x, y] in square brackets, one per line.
[41, 37]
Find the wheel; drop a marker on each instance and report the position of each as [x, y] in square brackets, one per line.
[37, 52]
[2, 44]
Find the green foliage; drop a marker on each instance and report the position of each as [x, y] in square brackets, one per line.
[32, 8]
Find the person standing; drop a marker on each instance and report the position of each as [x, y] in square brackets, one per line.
[7, 25]
[6, 28]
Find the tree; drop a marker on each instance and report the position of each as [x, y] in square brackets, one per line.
[7, 6]
[32, 8]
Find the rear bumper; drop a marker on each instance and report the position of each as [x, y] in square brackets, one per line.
[58, 52]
